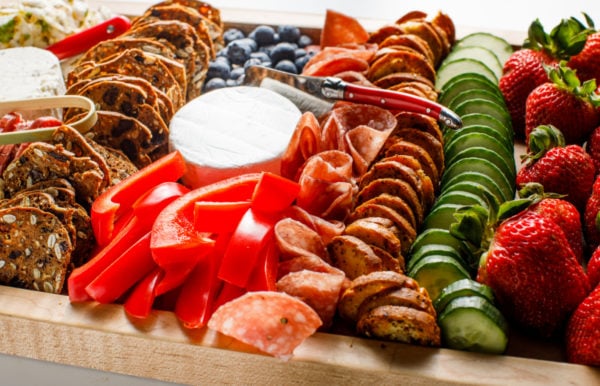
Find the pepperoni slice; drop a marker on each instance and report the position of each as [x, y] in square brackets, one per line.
[304, 143]
[273, 322]
[336, 64]
[321, 291]
[341, 29]
[294, 238]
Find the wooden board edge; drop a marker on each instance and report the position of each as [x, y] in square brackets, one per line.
[48, 327]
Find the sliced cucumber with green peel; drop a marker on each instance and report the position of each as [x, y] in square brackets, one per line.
[459, 197]
[434, 250]
[478, 178]
[439, 236]
[449, 70]
[484, 106]
[465, 287]
[475, 94]
[441, 216]
[462, 141]
[434, 273]
[480, 53]
[496, 44]
[486, 120]
[500, 136]
[475, 188]
[472, 323]
[504, 161]
[464, 82]
[481, 165]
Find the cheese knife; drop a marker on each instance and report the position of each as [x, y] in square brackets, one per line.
[324, 91]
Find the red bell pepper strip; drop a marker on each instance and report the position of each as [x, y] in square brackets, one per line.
[195, 303]
[143, 214]
[219, 217]
[264, 275]
[116, 200]
[140, 300]
[129, 268]
[274, 193]
[243, 252]
[227, 293]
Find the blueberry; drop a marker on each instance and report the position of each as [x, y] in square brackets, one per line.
[287, 66]
[301, 62]
[288, 33]
[266, 49]
[218, 69]
[299, 52]
[214, 84]
[236, 73]
[232, 34]
[231, 82]
[262, 56]
[304, 41]
[238, 51]
[252, 62]
[264, 35]
[282, 51]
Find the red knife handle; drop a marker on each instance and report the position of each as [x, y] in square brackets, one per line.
[395, 100]
[89, 37]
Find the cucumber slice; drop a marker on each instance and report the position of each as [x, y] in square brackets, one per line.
[486, 120]
[480, 53]
[472, 323]
[463, 141]
[475, 94]
[465, 287]
[475, 188]
[441, 217]
[502, 137]
[496, 44]
[439, 236]
[434, 273]
[484, 106]
[478, 178]
[509, 168]
[460, 197]
[467, 81]
[449, 70]
[484, 166]
[434, 250]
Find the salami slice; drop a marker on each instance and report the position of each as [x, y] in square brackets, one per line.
[303, 144]
[306, 262]
[320, 290]
[364, 143]
[294, 238]
[325, 228]
[273, 322]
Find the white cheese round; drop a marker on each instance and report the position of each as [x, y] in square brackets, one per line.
[231, 131]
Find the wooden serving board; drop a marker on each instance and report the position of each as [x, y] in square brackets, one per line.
[48, 327]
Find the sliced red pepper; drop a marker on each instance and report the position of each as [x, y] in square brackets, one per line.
[116, 200]
[219, 217]
[264, 276]
[130, 267]
[195, 303]
[227, 293]
[245, 247]
[139, 302]
[146, 209]
[274, 193]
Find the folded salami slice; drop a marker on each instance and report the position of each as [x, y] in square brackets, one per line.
[273, 322]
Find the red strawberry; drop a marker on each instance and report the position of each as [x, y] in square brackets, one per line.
[593, 268]
[567, 217]
[593, 147]
[587, 62]
[567, 170]
[563, 102]
[583, 332]
[534, 274]
[590, 227]
[522, 73]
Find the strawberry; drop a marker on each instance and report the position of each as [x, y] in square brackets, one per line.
[522, 73]
[583, 332]
[567, 170]
[592, 146]
[590, 217]
[563, 102]
[593, 268]
[587, 62]
[533, 272]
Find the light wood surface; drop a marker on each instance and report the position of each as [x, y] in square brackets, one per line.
[48, 327]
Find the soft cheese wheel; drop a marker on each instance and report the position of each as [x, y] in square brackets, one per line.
[231, 131]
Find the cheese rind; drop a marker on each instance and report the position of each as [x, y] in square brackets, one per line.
[232, 131]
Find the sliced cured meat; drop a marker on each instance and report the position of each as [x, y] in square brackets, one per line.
[273, 322]
[364, 52]
[320, 290]
[306, 262]
[339, 29]
[305, 142]
[294, 239]
[335, 64]
[364, 143]
[354, 77]
[326, 229]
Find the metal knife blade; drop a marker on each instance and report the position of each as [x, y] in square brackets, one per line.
[330, 89]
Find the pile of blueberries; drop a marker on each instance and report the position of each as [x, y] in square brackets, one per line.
[283, 48]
